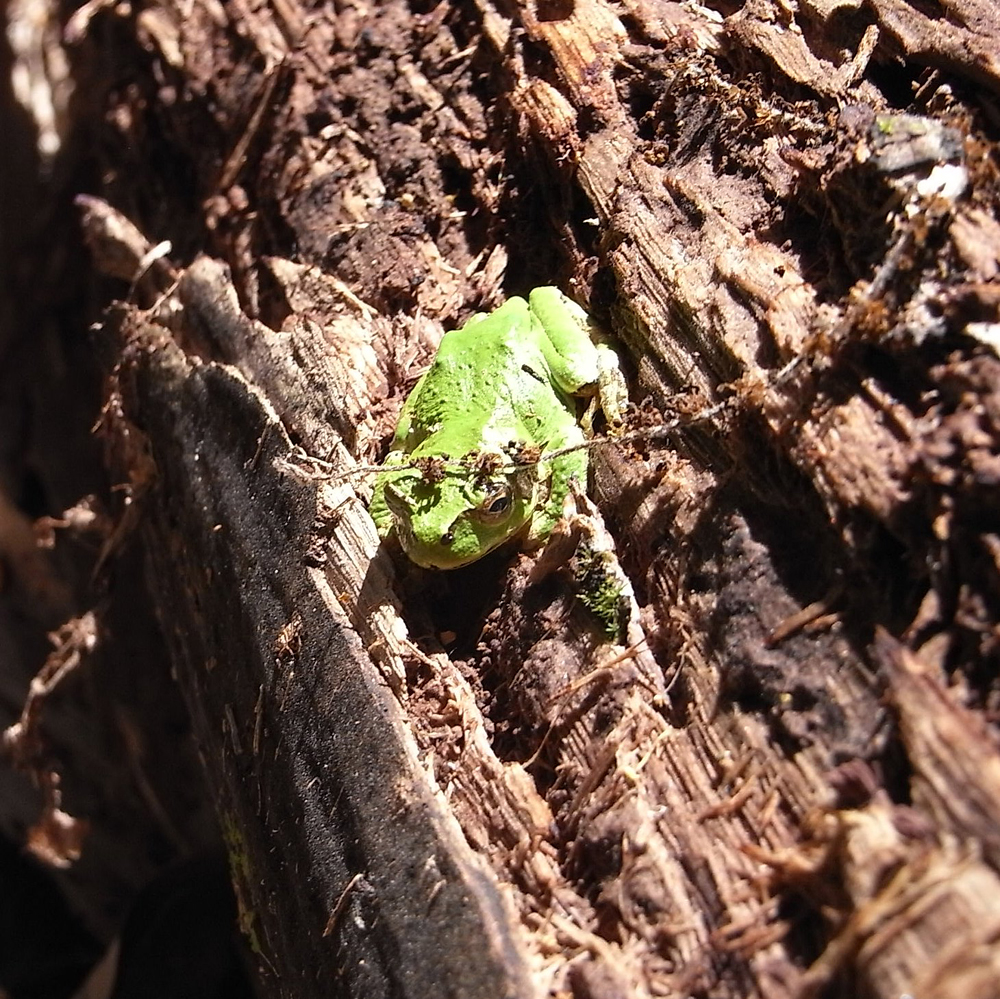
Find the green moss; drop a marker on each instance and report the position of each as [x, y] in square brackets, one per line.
[239, 872]
[599, 589]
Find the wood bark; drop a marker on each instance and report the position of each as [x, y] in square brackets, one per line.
[785, 782]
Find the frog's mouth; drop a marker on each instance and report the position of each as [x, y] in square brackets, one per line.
[443, 557]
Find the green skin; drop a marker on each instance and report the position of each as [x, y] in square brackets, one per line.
[502, 383]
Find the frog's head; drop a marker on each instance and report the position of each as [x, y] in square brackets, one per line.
[456, 515]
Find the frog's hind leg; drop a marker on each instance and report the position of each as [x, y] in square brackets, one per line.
[580, 361]
[566, 340]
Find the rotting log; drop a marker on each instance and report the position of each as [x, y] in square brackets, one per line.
[788, 784]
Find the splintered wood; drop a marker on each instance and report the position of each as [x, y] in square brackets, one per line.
[787, 218]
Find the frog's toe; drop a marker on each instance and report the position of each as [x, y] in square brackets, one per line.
[611, 387]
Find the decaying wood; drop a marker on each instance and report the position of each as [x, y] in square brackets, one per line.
[450, 784]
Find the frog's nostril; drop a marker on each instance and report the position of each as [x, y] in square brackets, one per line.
[447, 539]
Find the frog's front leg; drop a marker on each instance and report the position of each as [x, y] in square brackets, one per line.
[561, 471]
[378, 507]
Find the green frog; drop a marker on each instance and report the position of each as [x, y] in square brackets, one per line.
[473, 434]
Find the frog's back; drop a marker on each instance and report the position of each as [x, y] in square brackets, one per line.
[480, 386]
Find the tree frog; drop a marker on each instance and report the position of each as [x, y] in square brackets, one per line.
[498, 395]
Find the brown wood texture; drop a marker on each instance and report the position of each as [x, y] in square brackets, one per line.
[786, 782]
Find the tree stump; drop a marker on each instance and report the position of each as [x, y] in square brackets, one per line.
[784, 780]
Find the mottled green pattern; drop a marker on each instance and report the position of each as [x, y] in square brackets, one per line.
[499, 392]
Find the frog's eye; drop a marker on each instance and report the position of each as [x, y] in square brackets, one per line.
[496, 506]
